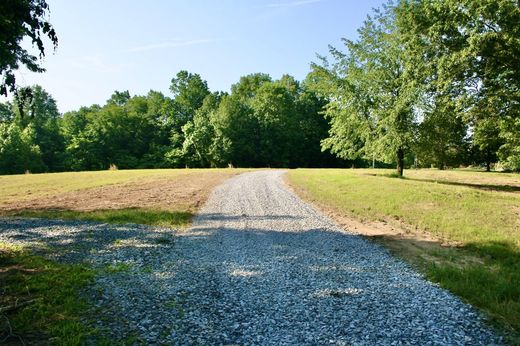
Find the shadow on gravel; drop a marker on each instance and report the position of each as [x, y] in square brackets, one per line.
[300, 275]
[295, 273]
[73, 241]
[222, 217]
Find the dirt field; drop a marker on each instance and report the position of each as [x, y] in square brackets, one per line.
[181, 190]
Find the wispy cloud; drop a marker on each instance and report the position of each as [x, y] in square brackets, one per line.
[296, 3]
[98, 63]
[172, 44]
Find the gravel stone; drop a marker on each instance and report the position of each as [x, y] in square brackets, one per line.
[259, 266]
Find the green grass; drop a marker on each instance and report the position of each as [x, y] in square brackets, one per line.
[160, 218]
[479, 210]
[54, 316]
[460, 213]
[118, 268]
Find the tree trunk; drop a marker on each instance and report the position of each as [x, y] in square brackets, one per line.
[488, 154]
[400, 162]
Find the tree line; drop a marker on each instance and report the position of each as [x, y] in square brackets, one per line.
[427, 83]
[261, 123]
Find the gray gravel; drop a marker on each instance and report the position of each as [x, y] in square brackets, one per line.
[259, 266]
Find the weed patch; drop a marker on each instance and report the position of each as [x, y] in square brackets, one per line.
[41, 299]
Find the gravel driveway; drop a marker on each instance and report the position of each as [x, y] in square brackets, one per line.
[259, 266]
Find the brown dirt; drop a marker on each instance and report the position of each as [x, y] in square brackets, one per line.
[186, 192]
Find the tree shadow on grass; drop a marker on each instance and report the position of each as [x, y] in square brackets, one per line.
[485, 187]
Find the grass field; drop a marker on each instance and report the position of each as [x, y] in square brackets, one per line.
[163, 197]
[166, 198]
[477, 213]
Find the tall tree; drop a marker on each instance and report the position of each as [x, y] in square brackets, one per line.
[247, 86]
[119, 98]
[189, 91]
[470, 51]
[41, 113]
[200, 135]
[442, 135]
[18, 153]
[371, 94]
[236, 133]
[275, 113]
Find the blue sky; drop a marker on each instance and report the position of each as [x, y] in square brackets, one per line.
[107, 45]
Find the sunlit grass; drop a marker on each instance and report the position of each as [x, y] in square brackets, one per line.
[479, 210]
[30, 186]
[459, 213]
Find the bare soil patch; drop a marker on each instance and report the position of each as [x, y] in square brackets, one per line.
[187, 192]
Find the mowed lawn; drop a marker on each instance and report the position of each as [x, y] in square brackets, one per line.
[159, 197]
[477, 212]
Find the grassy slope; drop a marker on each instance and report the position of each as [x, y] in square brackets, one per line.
[479, 210]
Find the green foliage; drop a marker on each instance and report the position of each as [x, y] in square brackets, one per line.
[274, 112]
[21, 19]
[6, 113]
[18, 154]
[200, 134]
[422, 78]
[189, 91]
[127, 135]
[441, 139]
[371, 93]
[119, 98]
[57, 310]
[468, 52]
[429, 82]
[41, 113]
